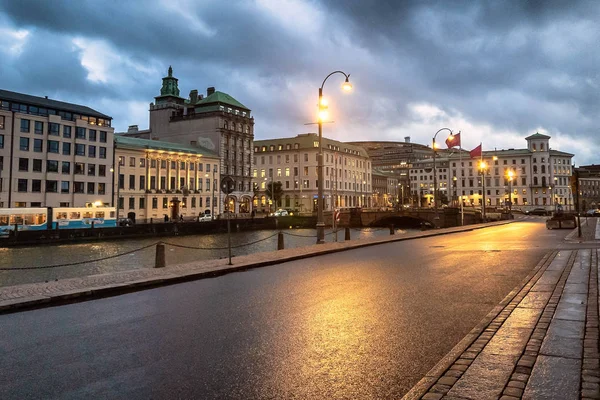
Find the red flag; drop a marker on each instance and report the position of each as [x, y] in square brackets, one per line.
[476, 152]
[453, 141]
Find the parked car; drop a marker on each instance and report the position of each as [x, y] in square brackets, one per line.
[126, 222]
[205, 218]
[593, 213]
[537, 211]
[281, 213]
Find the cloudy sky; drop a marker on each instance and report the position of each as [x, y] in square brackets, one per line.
[496, 70]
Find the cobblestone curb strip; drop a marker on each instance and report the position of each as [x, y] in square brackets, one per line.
[15, 298]
[542, 345]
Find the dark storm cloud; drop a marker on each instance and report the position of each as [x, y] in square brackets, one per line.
[512, 65]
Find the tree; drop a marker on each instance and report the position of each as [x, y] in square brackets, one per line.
[277, 189]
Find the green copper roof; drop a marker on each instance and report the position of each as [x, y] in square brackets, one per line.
[170, 86]
[537, 135]
[220, 98]
[122, 141]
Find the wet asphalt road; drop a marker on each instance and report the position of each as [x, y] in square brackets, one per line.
[365, 323]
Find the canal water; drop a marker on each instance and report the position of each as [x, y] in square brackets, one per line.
[213, 246]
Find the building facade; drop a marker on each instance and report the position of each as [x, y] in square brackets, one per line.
[52, 153]
[537, 176]
[155, 178]
[294, 161]
[588, 177]
[387, 192]
[217, 122]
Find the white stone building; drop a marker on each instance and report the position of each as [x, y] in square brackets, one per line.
[293, 162]
[541, 177]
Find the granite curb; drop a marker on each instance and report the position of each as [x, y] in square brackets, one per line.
[421, 389]
[50, 294]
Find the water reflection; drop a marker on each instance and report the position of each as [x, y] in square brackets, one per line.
[214, 247]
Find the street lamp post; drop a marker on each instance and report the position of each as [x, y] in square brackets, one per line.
[482, 168]
[435, 188]
[510, 179]
[212, 199]
[322, 109]
[118, 186]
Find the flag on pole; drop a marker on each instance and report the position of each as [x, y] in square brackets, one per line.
[453, 141]
[476, 152]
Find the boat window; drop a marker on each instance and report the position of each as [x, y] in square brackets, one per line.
[112, 214]
[61, 215]
[75, 215]
[29, 219]
[16, 219]
[88, 214]
[3, 220]
[99, 214]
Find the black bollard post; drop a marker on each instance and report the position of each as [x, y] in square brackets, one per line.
[347, 233]
[280, 244]
[392, 229]
[160, 261]
[151, 221]
[92, 227]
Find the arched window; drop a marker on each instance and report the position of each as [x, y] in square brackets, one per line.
[225, 125]
[543, 181]
[535, 169]
[543, 169]
[535, 180]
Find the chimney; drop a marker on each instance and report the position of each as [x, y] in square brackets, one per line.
[210, 91]
[46, 97]
[407, 139]
[194, 96]
[132, 129]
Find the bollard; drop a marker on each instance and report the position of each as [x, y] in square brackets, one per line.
[280, 244]
[392, 229]
[347, 233]
[151, 221]
[92, 227]
[160, 261]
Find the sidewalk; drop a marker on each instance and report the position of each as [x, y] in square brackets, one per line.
[13, 298]
[541, 342]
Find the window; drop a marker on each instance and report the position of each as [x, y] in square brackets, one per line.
[23, 164]
[79, 168]
[92, 135]
[36, 185]
[51, 186]
[64, 186]
[1, 141]
[92, 151]
[142, 162]
[80, 134]
[121, 181]
[52, 146]
[24, 144]
[142, 182]
[163, 164]
[80, 149]
[37, 165]
[78, 187]
[91, 188]
[91, 170]
[53, 129]
[38, 127]
[51, 166]
[66, 167]
[66, 131]
[132, 182]
[1, 121]
[66, 149]
[165, 202]
[101, 188]
[102, 170]
[25, 125]
[102, 152]
[22, 185]
[102, 136]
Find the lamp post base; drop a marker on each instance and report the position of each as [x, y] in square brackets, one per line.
[320, 233]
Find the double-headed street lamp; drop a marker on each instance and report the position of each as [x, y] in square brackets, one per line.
[435, 188]
[322, 116]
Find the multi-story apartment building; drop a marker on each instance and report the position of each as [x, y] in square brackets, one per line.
[387, 192]
[294, 161]
[52, 153]
[217, 122]
[588, 185]
[156, 178]
[540, 177]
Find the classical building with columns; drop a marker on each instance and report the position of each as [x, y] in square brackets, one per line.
[156, 178]
[536, 176]
[216, 122]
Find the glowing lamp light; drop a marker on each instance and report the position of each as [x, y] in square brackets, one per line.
[347, 86]
[323, 115]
